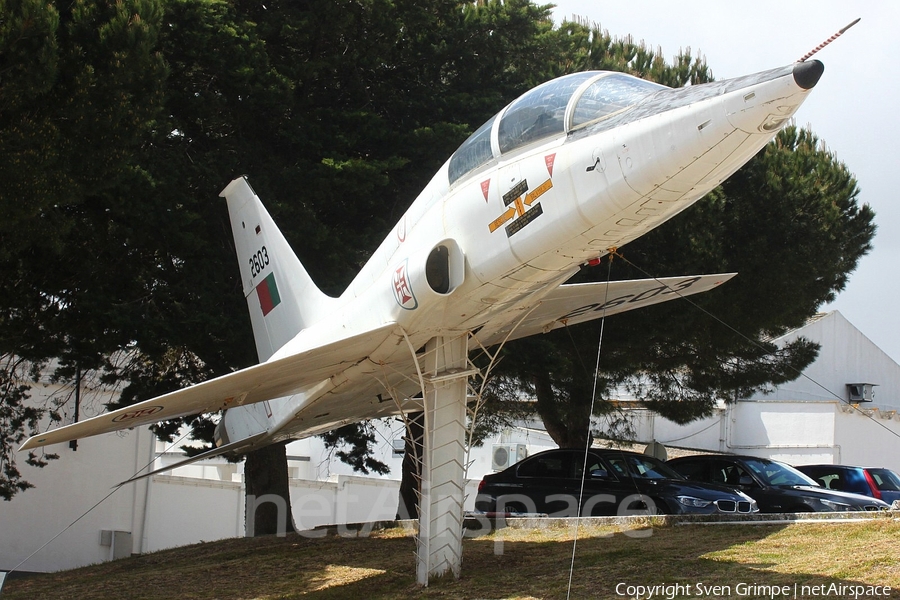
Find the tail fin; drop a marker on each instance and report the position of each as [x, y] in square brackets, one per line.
[281, 296]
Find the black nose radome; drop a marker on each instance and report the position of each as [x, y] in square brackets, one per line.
[806, 74]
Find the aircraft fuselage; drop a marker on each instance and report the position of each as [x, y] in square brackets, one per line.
[532, 216]
[528, 216]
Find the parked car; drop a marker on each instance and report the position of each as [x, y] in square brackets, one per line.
[776, 486]
[879, 483]
[616, 483]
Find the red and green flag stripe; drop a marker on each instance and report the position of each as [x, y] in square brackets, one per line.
[267, 291]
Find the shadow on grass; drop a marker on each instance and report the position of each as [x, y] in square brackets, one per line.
[532, 564]
[678, 562]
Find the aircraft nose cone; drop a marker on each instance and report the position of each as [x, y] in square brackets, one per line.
[806, 74]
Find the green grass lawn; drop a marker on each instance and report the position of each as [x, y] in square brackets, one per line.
[832, 560]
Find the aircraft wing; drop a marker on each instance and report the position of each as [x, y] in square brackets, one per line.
[274, 379]
[580, 302]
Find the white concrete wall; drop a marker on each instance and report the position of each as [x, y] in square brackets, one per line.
[351, 499]
[779, 425]
[869, 438]
[346, 499]
[179, 510]
[182, 511]
[649, 426]
[64, 490]
[794, 432]
[846, 356]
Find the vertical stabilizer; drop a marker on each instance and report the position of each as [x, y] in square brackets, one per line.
[281, 296]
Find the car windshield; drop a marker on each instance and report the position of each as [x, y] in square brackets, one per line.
[778, 474]
[886, 480]
[643, 467]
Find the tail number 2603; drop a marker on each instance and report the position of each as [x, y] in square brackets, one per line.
[259, 261]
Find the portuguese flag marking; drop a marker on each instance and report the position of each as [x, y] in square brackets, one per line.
[267, 291]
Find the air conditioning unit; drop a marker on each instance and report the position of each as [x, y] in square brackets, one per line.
[506, 455]
[399, 447]
[861, 392]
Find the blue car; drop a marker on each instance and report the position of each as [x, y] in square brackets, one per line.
[776, 486]
[879, 483]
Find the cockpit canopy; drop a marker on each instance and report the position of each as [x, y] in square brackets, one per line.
[551, 109]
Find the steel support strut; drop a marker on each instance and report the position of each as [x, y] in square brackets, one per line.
[439, 548]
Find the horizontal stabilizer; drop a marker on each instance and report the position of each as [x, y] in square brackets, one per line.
[244, 444]
[580, 302]
[275, 379]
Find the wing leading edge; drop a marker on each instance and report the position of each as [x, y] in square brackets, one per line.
[579, 302]
[266, 381]
[566, 305]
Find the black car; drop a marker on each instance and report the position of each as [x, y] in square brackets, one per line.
[879, 483]
[617, 483]
[775, 486]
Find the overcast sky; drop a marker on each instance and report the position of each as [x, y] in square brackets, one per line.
[853, 109]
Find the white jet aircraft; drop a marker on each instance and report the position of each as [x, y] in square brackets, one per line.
[573, 168]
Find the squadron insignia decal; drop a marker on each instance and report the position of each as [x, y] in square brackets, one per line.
[517, 211]
[137, 413]
[403, 292]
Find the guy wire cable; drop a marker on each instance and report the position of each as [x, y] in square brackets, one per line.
[115, 489]
[589, 441]
[758, 345]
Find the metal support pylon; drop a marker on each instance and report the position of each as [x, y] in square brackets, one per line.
[439, 548]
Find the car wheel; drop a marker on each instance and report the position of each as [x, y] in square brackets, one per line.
[516, 508]
[640, 507]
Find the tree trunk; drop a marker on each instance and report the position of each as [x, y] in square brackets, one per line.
[268, 499]
[408, 505]
[567, 423]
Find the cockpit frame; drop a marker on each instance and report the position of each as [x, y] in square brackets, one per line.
[555, 108]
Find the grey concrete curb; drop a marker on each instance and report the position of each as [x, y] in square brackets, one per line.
[636, 522]
[475, 525]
